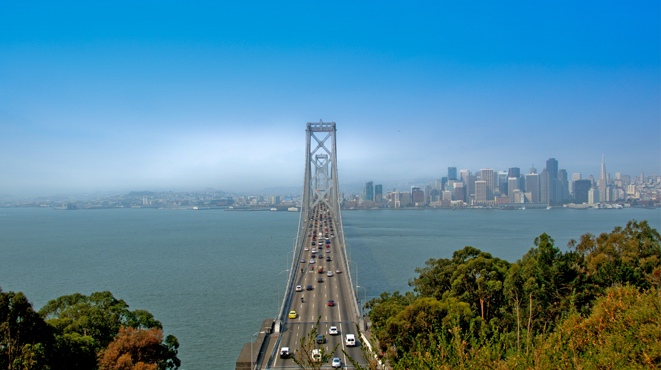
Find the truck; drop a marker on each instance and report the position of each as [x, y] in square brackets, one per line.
[320, 270]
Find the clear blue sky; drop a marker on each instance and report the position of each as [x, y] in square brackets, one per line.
[166, 95]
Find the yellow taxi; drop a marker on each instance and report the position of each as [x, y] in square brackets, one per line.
[292, 315]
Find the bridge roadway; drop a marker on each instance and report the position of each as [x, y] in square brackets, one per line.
[316, 301]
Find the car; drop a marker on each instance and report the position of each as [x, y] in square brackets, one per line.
[299, 288]
[320, 339]
[338, 271]
[314, 250]
[284, 352]
[313, 243]
[328, 259]
[336, 362]
[331, 303]
[309, 287]
[292, 315]
[307, 249]
[327, 241]
[329, 273]
[312, 260]
[333, 330]
[302, 260]
[320, 280]
[321, 256]
[327, 250]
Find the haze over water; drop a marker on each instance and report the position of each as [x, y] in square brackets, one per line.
[211, 277]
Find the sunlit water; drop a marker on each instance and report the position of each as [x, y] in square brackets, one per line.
[211, 277]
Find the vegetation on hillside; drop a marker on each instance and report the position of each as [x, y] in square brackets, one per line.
[79, 332]
[595, 306]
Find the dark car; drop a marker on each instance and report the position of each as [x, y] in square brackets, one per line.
[309, 287]
[327, 258]
[320, 280]
[320, 339]
[331, 303]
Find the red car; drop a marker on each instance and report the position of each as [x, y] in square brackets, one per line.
[331, 303]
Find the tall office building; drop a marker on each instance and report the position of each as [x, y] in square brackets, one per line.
[459, 193]
[563, 188]
[515, 172]
[602, 183]
[532, 187]
[533, 169]
[417, 196]
[544, 187]
[452, 173]
[378, 193]
[463, 176]
[487, 176]
[574, 177]
[480, 192]
[512, 184]
[470, 190]
[552, 167]
[502, 182]
[581, 190]
[369, 191]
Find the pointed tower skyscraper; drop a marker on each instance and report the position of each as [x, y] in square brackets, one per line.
[603, 167]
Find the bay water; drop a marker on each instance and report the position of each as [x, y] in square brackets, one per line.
[211, 277]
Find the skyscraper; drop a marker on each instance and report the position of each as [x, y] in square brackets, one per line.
[602, 183]
[533, 169]
[378, 193]
[463, 176]
[480, 192]
[452, 173]
[544, 186]
[512, 184]
[532, 187]
[581, 190]
[369, 191]
[487, 176]
[563, 183]
[552, 167]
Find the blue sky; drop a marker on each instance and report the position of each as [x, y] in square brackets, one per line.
[121, 96]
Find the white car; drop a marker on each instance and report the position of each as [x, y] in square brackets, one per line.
[312, 260]
[332, 330]
[307, 249]
[329, 273]
[336, 362]
[314, 250]
[299, 288]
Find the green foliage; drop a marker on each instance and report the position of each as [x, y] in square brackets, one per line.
[477, 311]
[24, 336]
[70, 331]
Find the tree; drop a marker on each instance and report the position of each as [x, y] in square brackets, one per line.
[309, 354]
[24, 336]
[138, 349]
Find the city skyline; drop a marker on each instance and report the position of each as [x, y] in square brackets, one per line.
[120, 97]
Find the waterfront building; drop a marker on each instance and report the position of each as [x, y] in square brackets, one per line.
[480, 192]
[563, 184]
[552, 167]
[378, 193]
[512, 185]
[470, 187]
[581, 190]
[417, 196]
[459, 193]
[545, 187]
[502, 183]
[369, 191]
[602, 183]
[487, 176]
[532, 187]
[593, 196]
